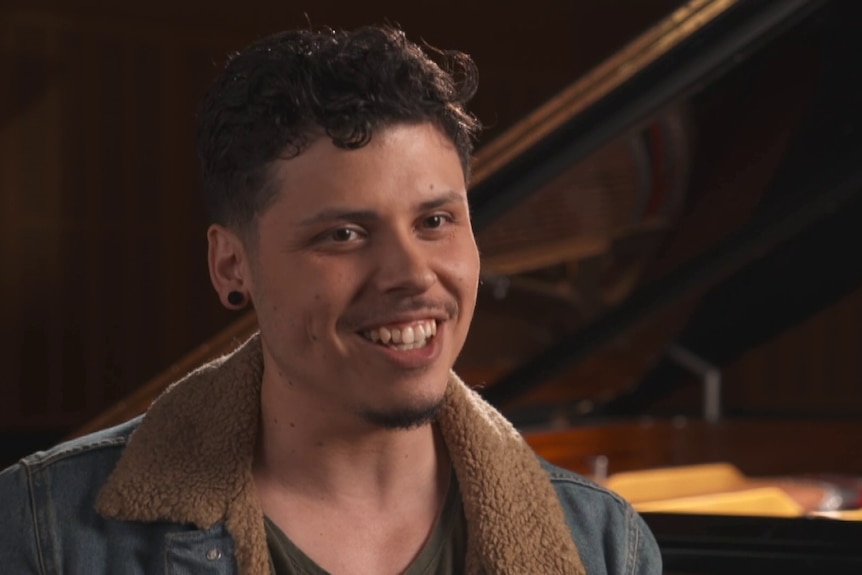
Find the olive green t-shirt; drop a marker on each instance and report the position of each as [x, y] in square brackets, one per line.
[442, 554]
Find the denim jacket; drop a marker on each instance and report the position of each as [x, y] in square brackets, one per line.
[171, 492]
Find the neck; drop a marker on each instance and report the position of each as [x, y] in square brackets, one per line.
[317, 455]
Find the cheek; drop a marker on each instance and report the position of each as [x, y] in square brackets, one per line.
[305, 304]
[466, 268]
[290, 317]
[317, 322]
[463, 273]
[313, 319]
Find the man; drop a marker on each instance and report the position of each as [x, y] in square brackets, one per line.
[337, 440]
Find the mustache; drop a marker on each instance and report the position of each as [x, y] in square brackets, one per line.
[371, 314]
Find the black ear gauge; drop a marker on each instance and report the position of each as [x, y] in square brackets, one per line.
[236, 298]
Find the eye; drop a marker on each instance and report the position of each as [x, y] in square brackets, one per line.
[340, 235]
[343, 234]
[436, 221]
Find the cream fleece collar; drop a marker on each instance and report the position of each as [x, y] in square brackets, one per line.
[190, 460]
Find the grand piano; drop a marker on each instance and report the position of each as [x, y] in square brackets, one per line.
[672, 272]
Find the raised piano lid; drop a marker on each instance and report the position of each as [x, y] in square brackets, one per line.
[616, 156]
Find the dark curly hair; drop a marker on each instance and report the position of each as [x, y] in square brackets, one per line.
[286, 90]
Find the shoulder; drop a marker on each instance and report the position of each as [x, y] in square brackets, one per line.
[610, 535]
[109, 439]
[581, 491]
[105, 444]
[77, 462]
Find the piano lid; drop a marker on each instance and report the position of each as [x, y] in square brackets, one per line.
[639, 207]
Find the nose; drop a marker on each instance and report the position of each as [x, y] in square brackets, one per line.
[404, 264]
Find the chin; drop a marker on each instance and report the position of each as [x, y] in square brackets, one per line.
[404, 418]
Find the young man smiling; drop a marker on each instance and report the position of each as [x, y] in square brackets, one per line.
[337, 440]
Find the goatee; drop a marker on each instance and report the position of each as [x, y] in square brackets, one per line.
[405, 418]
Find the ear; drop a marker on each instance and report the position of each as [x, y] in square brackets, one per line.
[228, 263]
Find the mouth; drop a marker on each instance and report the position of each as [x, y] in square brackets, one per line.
[403, 336]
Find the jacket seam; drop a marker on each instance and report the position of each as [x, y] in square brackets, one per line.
[634, 535]
[39, 463]
[566, 478]
[38, 539]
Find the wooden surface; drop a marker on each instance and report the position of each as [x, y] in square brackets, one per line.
[757, 448]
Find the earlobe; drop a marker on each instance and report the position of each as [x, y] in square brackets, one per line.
[227, 266]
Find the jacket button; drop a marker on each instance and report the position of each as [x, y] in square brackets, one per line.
[213, 554]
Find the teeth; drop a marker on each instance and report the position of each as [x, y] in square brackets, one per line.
[409, 337]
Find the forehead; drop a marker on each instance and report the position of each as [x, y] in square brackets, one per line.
[401, 165]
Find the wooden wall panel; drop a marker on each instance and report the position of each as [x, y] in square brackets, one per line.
[103, 228]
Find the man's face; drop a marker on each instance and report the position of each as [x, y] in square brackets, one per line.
[365, 274]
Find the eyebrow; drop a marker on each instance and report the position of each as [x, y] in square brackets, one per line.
[339, 214]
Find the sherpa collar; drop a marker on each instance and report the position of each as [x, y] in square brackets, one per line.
[190, 461]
